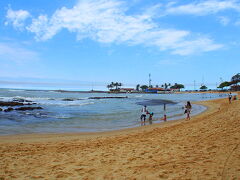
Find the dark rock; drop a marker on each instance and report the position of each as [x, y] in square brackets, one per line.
[8, 109]
[20, 100]
[2, 103]
[67, 99]
[27, 108]
[12, 103]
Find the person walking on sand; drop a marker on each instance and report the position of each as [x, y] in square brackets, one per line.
[230, 98]
[144, 114]
[188, 108]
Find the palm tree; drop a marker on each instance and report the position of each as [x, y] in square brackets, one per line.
[137, 87]
[120, 84]
[109, 86]
[165, 86]
[115, 84]
[112, 84]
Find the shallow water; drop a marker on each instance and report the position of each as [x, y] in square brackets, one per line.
[74, 112]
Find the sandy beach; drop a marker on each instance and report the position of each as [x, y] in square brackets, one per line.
[205, 147]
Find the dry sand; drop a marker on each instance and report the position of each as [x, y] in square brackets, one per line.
[205, 147]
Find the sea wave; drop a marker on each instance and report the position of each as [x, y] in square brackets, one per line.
[65, 103]
[16, 90]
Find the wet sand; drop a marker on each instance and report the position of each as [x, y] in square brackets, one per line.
[205, 147]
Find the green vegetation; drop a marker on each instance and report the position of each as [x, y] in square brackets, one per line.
[177, 86]
[203, 87]
[144, 87]
[234, 83]
[117, 86]
[224, 84]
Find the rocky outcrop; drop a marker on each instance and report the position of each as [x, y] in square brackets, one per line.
[11, 103]
[14, 103]
[27, 108]
[20, 100]
[8, 109]
[67, 99]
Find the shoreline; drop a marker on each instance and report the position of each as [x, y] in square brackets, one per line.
[83, 130]
[86, 135]
[205, 147]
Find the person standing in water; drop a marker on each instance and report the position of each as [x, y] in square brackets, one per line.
[144, 114]
[188, 108]
[165, 114]
[150, 117]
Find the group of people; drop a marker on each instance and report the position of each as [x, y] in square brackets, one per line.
[187, 110]
[145, 112]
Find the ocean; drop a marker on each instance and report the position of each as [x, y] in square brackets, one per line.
[79, 112]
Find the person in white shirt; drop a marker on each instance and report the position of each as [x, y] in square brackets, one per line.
[144, 114]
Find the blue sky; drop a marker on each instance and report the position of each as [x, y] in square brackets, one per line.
[77, 43]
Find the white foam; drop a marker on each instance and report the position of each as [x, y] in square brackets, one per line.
[14, 90]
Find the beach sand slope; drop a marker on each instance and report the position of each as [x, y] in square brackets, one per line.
[205, 147]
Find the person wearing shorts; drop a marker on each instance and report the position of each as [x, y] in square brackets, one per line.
[188, 108]
[144, 114]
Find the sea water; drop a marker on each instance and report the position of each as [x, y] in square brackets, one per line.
[75, 112]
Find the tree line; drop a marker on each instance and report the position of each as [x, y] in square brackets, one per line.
[235, 80]
[115, 86]
[164, 86]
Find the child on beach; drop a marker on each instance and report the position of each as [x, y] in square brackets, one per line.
[188, 108]
[150, 117]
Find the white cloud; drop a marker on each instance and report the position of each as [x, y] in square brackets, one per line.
[107, 21]
[17, 18]
[204, 7]
[193, 46]
[15, 53]
[224, 20]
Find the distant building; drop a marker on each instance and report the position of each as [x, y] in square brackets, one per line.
[126, 90]
[174, 90]
[155, 90]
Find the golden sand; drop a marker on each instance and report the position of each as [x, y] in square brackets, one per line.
[205, 147]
